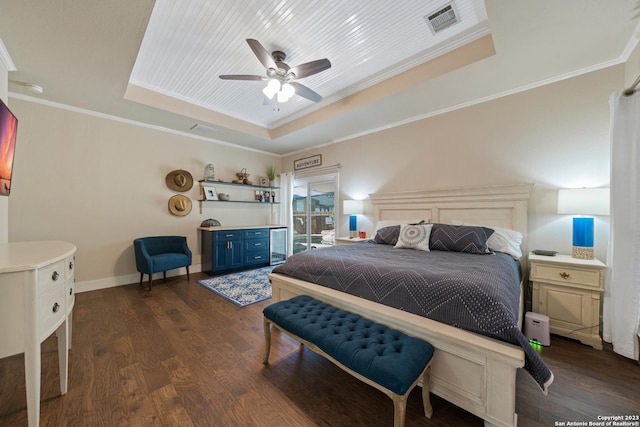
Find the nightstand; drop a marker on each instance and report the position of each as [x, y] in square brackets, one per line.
[349, 240]
[568, 290]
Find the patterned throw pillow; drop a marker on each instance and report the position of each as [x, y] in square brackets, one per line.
[414, 237]
[387, 235]
[460, 238]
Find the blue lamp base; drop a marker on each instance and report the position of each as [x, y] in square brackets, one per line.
[353, 226]
[582, 238]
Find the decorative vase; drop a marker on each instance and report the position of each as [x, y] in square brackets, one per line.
[209, 173]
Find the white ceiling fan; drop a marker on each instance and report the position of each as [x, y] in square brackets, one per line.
[281, 77]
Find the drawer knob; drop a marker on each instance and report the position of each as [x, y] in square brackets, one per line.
[565, 276]
[55, 276]
[70, 291]
[70, 265]
[56, 307]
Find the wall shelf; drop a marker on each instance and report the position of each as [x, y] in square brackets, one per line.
[233, 184]
[252, 187]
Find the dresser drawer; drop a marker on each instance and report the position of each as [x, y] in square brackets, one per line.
[51, 311]
[570, 275]
[70, 295]
[51, 276]
[256, 233]
[256, 245]
[257, 257]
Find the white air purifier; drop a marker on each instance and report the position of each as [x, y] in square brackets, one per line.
[536, 328]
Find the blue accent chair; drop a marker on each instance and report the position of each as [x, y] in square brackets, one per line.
[161, 253]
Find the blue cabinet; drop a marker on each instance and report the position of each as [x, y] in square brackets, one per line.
[256, 246]
[227, 250]
[232, 250]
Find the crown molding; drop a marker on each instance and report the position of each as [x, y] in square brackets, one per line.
[5, 58]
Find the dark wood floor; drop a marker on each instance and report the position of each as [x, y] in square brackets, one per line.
[182, 356]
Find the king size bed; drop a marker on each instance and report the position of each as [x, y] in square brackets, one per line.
[467, 303]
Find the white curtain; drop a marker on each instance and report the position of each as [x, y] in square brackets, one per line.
[286, 206]
[621, 313]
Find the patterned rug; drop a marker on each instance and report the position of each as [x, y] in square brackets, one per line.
[243, 288]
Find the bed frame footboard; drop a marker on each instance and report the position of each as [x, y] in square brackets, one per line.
[473, 372]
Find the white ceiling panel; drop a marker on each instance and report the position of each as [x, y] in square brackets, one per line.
[188, 44]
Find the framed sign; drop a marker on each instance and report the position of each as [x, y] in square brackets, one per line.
[307, 162]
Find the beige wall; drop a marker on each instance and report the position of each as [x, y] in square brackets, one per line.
[555, 136]
[100, 183]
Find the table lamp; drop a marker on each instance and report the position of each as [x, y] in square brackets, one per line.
[352, 208]
[583, 201]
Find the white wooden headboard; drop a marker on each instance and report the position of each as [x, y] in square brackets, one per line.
[499, 205]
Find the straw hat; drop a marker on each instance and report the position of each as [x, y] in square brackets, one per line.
[179, 180]
[180, 205]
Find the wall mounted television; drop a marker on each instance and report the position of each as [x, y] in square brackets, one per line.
[8, 131]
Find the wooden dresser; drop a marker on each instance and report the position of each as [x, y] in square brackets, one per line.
[36, 299]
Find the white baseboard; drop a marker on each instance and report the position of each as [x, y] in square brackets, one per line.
[112, 282]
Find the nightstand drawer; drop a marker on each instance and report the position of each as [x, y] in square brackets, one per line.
[568, 275]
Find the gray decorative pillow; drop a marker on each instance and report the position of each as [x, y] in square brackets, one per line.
[460, 238]
[387, 235]
[414, 237]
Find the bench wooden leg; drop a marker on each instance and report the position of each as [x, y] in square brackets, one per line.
[399, 410]
[267, 338]
[426, 401]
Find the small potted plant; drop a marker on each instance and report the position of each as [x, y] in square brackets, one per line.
[271, 175]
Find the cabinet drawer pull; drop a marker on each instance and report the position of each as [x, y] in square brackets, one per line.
[228, 235]
[257, 244]
[565, 276]
[70, 291]
[56, 307]
[257, 257]
[70, 265]
[55, 276]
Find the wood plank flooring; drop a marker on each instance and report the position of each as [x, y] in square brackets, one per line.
[182, 356]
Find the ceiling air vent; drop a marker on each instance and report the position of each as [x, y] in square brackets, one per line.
[442, 18]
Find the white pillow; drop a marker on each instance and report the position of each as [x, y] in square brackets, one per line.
[502, 240]
[389, 222]
[414, 237]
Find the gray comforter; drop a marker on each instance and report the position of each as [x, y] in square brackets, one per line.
[478, 293]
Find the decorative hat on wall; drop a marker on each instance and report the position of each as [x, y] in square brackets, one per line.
[179, 205]
[179, 180]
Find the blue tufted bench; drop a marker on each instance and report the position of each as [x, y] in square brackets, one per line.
[384, 358]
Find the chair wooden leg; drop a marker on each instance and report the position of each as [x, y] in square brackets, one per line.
[164, 275]
[150, 275]
[141, 277]
[187, 273]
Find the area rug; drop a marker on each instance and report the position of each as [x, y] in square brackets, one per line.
[243, 288]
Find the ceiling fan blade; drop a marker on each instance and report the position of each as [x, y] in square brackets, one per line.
[310, 68]
[263, 56]
[241, 77]
[305, 92]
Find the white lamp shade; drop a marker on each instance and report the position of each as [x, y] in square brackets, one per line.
[583, 201]
[352, 207]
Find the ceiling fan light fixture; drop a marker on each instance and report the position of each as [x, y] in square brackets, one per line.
[282, 97]
[272, 88]
[288, 90]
